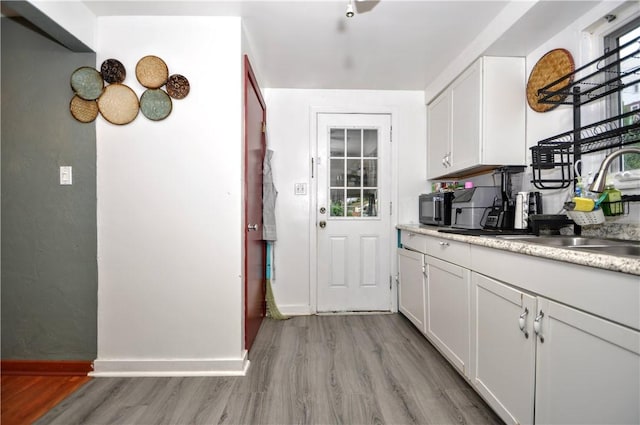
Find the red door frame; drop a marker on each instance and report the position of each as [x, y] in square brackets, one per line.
[254, 305]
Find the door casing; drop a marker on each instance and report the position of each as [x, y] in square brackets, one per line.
[313, 203]
[254, 252]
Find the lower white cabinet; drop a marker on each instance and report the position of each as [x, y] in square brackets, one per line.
[588, 369]
[504, 348]
[534, 360]
[447, 307]
[411, 286]
[584, 369]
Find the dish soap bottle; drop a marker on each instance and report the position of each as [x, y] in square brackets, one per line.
[612, 204]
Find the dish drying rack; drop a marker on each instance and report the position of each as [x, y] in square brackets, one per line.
[596, 80]
[597, 216]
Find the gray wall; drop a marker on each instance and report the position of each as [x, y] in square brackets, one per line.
[49, 265]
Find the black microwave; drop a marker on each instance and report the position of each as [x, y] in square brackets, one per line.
[435, 208]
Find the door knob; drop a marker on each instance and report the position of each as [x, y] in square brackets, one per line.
[322, 224]
[252, 227]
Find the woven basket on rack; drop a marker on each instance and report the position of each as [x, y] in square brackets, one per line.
[551, 67]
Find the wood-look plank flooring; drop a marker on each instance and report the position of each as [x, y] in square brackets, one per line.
[351, 369]
[26, 398]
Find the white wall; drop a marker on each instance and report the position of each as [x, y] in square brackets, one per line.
[289, 135]
[169, 206]
[583, 39]
[63, 18]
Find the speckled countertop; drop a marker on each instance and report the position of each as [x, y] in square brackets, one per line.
[602, 261]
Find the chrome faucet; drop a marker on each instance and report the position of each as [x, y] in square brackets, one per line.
[599, 181]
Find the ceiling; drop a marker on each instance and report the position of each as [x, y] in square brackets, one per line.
[387, 45]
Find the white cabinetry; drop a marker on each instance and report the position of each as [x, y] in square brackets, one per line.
[447, 306]
[585, 370]
[588, 369]
[479, 120]
[439, 134]
[504, 355]
[442, 311]
[411, 286]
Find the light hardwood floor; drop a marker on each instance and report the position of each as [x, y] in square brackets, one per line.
[352, 369]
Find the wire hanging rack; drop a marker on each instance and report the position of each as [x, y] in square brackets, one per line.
[552, 158]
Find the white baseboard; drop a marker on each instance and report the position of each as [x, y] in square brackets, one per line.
[190, 367]
[296, 310]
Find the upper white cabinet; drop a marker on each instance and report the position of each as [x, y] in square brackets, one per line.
[439, 134]
[478, 122]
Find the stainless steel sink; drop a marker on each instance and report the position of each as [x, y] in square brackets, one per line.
[617, 247]
[572, 241]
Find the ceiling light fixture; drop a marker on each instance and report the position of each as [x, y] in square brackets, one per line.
[350, 9]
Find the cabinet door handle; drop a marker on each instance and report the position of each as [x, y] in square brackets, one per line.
[522, 321]
[537, 326]
[424, 272]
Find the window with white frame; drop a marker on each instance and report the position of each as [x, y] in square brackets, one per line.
[629, 98]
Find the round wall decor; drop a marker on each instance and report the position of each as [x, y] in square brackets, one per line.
[152, 72]
[155, 104]
[551, 67]
[87, 83]
[118, 104]
[83, 110]
[113, 71]
[178, 86]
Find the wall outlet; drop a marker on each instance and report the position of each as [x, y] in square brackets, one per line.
[66, 175]
[300, 188]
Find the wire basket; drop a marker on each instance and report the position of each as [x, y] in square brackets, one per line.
[583, 218]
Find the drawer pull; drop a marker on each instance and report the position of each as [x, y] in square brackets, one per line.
[522, 321]
[537, 326]
[444, 243]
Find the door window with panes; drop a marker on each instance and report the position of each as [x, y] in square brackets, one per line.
[353, 164]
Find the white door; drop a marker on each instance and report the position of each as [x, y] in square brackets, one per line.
[353, 212]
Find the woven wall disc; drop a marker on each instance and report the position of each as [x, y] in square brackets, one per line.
[113, 71]
[552, 66]
[118, 104]
[87, 83]
[83, 110]
[155, 104]
[152, 72]
[178, 86]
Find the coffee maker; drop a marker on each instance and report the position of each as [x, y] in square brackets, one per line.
[502, 216]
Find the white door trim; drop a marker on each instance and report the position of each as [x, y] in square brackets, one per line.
[313, 206]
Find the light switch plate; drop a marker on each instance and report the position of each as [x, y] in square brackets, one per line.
[66, 175]
[300, 188]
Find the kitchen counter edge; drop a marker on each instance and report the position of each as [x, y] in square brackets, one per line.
[601, 261]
